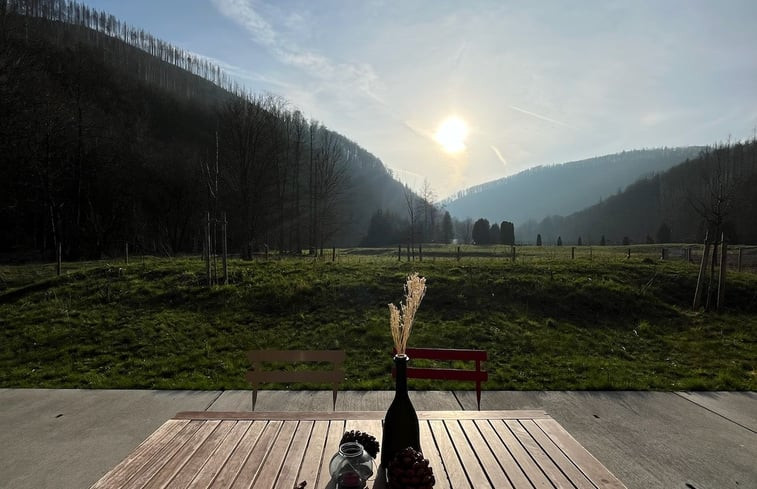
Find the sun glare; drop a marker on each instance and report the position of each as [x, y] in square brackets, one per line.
[451, 134]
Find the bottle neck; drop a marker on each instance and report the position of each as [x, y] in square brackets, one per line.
[400, 363]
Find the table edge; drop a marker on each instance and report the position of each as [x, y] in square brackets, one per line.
[355, 415]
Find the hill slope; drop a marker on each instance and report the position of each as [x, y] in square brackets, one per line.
[714, 191]
[109, 135]
[571, 186]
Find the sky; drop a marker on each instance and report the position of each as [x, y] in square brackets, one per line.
[526, 83]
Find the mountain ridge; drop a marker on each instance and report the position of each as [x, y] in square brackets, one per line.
[573, 185]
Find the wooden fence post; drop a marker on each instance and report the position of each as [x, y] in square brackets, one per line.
[333, 254]
[628, 254]
[738, 264]
[458, 253]
[59, 258]
[721, 275]
[207, 250]
[225, 253]
[573, 253]
[702, 271]
[126, 252]
[662, 253]
[399, 252]
[512, 251]
[408, 252]
[420, 252]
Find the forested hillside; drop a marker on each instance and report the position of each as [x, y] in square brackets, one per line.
[111, 136]
[713, 192]
[561, 189]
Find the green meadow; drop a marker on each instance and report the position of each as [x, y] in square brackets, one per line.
[599, 321]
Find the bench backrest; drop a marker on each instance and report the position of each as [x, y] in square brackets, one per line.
[333, 376]
[435, 373]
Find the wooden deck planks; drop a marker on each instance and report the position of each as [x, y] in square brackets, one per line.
[465, 449]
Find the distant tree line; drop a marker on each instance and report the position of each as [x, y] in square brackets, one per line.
[102, 143]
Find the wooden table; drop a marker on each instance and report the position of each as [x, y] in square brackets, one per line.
[466, 449]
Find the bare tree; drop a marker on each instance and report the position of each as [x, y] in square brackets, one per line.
[411, 204]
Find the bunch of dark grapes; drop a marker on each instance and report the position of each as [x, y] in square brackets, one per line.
[368, 441]
[409, 470]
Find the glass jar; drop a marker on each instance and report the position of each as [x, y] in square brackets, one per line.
[351, 466]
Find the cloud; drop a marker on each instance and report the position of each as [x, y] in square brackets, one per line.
[499, 155]
[330, 73]
[542, 117]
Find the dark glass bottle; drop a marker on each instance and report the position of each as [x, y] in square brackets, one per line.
[401, 428]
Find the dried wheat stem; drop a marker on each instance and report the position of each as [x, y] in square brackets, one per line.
[401, 320]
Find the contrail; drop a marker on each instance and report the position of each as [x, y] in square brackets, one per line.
[499, 155]
[541, 117]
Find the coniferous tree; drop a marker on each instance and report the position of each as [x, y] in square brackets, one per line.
[480, 233]
[447, 229]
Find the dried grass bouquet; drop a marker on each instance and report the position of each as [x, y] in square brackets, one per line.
[401, 320]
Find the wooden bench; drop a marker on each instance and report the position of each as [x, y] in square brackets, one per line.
[258, 375]
[476, 375]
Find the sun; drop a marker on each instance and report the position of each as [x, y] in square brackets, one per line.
[451, 134]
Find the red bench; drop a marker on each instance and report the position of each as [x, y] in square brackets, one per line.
[436, 373]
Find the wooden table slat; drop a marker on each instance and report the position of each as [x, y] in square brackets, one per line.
[311, 462]
[466, 449]
[218, 459]
[181, 456]
[504, 457]
[336, 430]
[455, 471]
[584, 460]
[495, 474]
[553, 473]
[231, 466]
[200, 456]
[288, 475]
[275, 458]
[475, 473]
[573, 473]
[141, 455]
[431, 452]
[157, 462]
[258, 457]
[356, 415]
[530, 469]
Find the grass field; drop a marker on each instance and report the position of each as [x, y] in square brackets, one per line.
[547, 321]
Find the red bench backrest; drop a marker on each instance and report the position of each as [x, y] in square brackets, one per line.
[436, 373]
